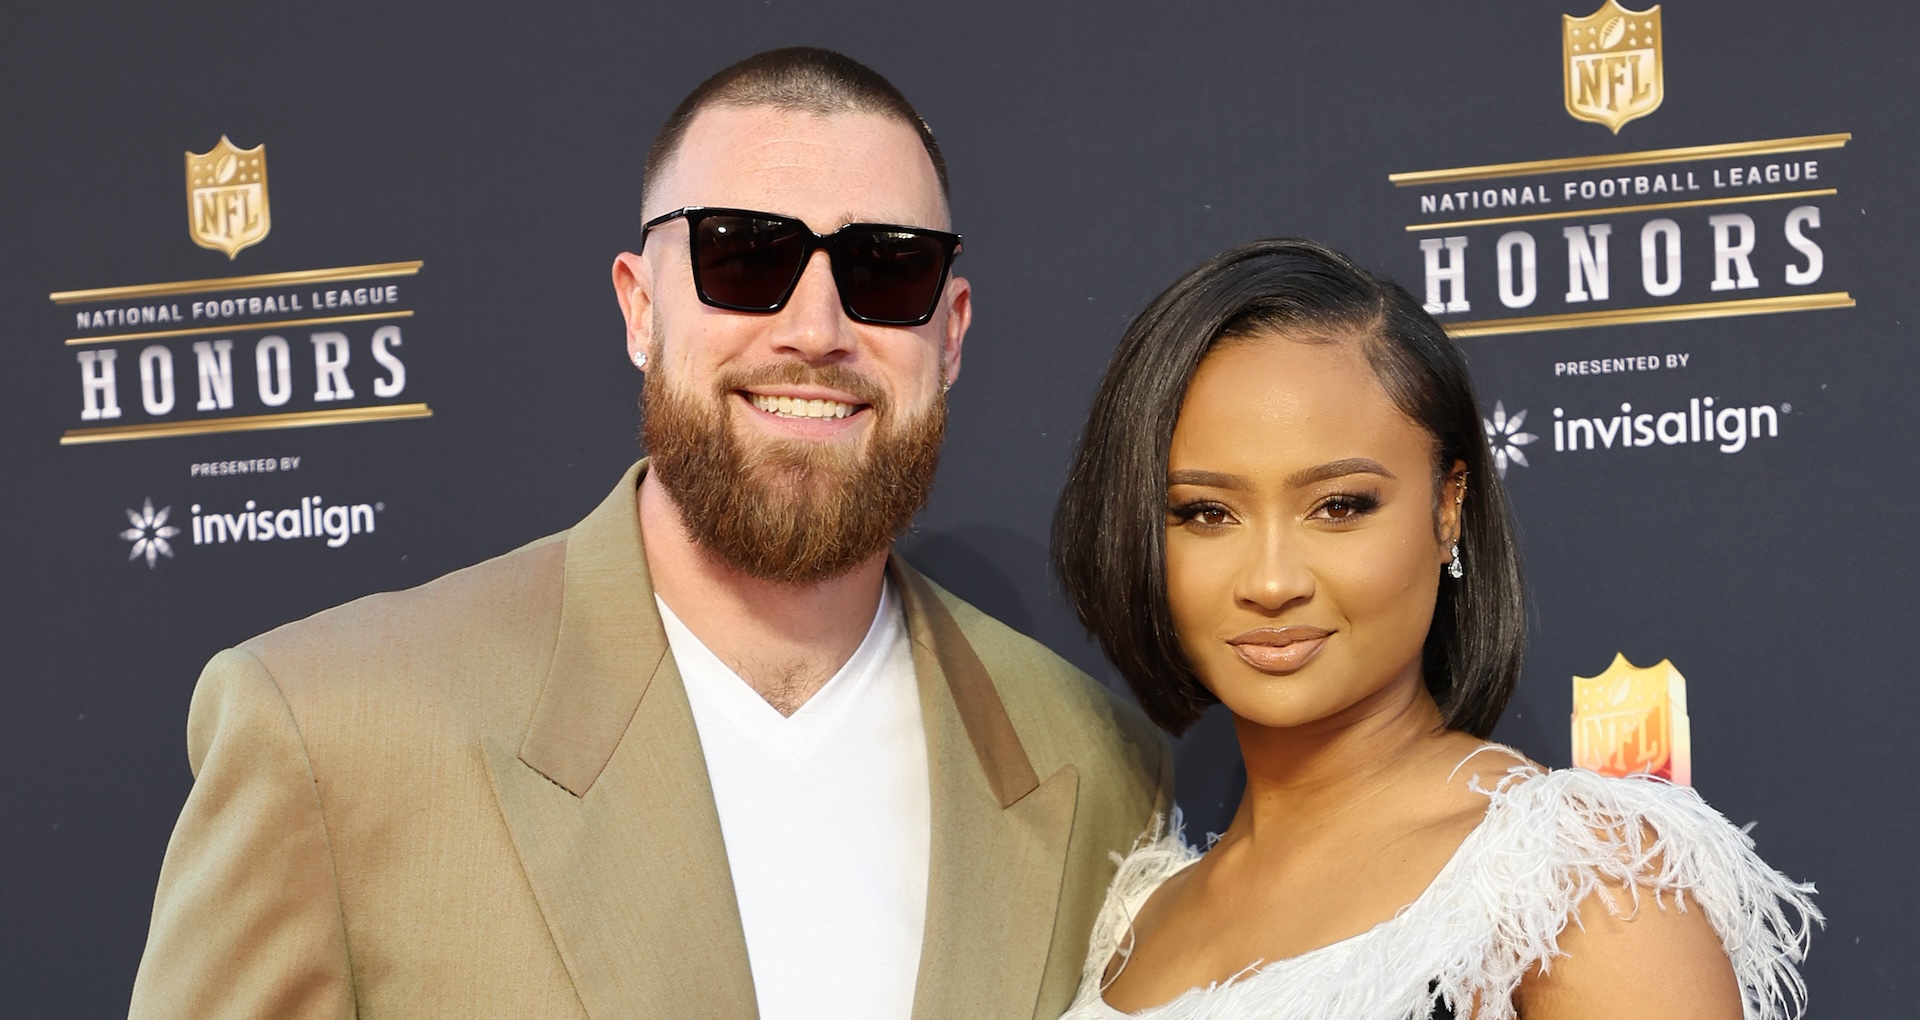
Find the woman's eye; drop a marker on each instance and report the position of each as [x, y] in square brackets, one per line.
[1341, 509]
[1205, 515]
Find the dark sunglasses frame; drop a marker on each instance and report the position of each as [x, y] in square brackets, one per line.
[833, 244]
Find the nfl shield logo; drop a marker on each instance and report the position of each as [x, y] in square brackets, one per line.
[227, 197]
[1613, 65]
[1629, 720]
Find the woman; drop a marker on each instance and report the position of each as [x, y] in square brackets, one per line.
[1284, 501]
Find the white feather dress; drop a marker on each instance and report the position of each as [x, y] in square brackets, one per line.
[1497, 908]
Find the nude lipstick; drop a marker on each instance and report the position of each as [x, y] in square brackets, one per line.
[1280, 650]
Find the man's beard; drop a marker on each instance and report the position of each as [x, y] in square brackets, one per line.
[790, 511]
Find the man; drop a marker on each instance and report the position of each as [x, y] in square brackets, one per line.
[713, 752]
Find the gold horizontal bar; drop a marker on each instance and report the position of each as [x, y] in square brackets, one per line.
[236, 327]
[1660, 313]
[245, 423]
[1685, 154]
[368, 272]
[1652, 207]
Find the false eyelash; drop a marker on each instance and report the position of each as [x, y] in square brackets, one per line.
[1186, 512]
[1361, 503]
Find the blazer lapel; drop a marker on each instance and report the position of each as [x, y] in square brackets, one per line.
[608, 803]
[1000, 832]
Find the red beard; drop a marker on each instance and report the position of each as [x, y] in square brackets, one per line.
[789, 511]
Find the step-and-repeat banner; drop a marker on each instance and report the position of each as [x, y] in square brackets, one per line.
[304, 306]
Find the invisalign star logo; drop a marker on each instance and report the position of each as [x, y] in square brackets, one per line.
[149, 533]
[1505, 437]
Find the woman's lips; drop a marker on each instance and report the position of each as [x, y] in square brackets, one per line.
[1280, 650]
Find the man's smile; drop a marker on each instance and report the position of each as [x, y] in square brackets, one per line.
[802, 407]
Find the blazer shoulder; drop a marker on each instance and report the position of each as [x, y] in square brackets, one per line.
[504, 608]
[1053, 703]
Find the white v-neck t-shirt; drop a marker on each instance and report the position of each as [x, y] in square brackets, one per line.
[827, 823]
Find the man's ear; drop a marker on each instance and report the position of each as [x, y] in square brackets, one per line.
[633, 288]
[959, 301]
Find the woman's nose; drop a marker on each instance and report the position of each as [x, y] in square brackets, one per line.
[1275, 573]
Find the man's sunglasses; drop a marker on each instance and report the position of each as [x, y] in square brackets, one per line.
[747, 261]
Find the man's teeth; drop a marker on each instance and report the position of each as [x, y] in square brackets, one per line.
[792, 407]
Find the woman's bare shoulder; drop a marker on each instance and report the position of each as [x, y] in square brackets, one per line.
[1608, 888]
[1612, 963]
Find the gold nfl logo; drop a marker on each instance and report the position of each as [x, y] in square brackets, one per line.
[1613, 65]
[227, 197]
[1630, 720]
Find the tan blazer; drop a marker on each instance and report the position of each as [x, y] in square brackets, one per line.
[485, 797]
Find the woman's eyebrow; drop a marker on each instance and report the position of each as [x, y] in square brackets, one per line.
[1305, 476]
[1211, 479]
[1336, 468]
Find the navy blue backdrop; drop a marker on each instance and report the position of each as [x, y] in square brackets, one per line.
[1098, 150]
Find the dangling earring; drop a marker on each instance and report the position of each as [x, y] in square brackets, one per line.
[640, 359]
[1454, 569]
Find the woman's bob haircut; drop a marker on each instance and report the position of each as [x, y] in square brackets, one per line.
[1109, 533]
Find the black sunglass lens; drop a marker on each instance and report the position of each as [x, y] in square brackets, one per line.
[747, 262]
[890, 275]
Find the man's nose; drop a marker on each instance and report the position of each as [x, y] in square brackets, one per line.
[813, 325]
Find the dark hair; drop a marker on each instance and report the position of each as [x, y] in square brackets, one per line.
[802, 79]
[1109, 532]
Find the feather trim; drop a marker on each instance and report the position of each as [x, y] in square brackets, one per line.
[1496, 910]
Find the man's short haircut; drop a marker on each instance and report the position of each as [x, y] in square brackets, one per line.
[1110, 531]
[801, 79]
